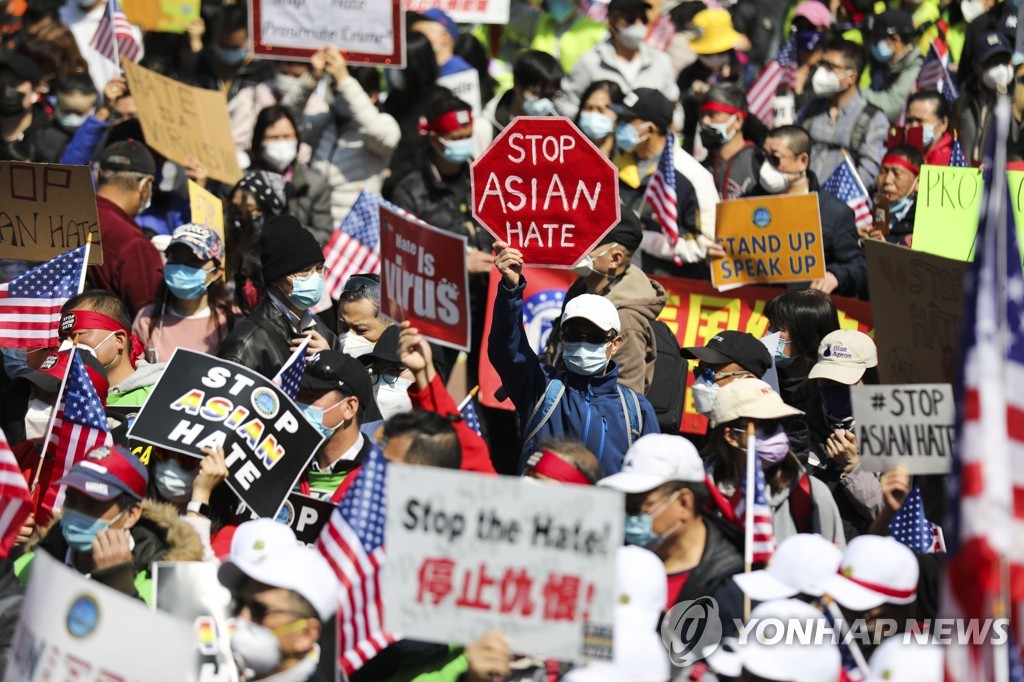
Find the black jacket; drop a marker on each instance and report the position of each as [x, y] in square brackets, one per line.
[844, 256]
[262, 342]
[713, 575]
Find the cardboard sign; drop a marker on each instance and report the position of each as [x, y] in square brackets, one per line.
[466, 11]
[74, 628]
[424, 278]
[47, 209]
[165, 16]
[912, 426]
[190, 591]
[768, 239]
[179, 120]
[916, 303]
[202, 401]
[469, 553]
[305, 515]
[543, 188]
[207, 209]
[366, 31]
[948, 208]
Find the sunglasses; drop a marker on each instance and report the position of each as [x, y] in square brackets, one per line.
[258, 610]
[357, 287]
[388, 375]
[577, 336]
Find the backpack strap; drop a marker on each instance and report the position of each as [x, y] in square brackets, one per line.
[631, 413]
[544, 408]
[859, 131]
[801, 505]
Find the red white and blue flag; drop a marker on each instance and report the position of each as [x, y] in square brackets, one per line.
[934, 74]
[985, 522]
[15, 501]
[759, 543]
[30, 303]
[845, 184]
[661, 192]
[353, 544]
[780, 72]
[913, 529]
[115, 36]
[956, 157]
[289, 377]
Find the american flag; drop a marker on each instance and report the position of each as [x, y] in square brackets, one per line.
[956, 158]
[79, 426]
[846, 185]
[290, 375]
[759, 542]
[661, 32]
[661, 192]
[30, 303]
[910, 526]
[779, 72]
[985, 519]
[354, 247]
[114, 37]
[854, 664]
[934, 74]
[15, 503]
[353, 543]
[469, 415]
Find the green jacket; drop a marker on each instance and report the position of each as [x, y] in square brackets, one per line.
[530, 30]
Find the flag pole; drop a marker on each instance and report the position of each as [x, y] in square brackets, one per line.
[748, 514]
[85, 267]
[53, 416]
[472, 392]
[860, 183]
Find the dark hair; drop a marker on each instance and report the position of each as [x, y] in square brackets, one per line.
[808, 315]
[421, 69]
[630, 13]
[575, 454]
[100, 301]
[51, 57]
[536, 69]
[37, 10]
[853, 54]
[699, 490]
[473, 51]
[442, 102]
[266, 118]
[905, 151]
[359, 291]
[871, 376]
[615, 93]
[125, 501]
[80, 84]
[942, 108]
[434, 440]
[798, 140]
[222, 306]
[367, 77]
[231, 18]
[727, 93]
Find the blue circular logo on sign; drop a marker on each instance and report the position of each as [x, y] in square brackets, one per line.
[762, 217]
[286, 514]
[83, 617]
[265, 402]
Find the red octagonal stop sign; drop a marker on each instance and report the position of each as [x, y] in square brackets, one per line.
[545, 189]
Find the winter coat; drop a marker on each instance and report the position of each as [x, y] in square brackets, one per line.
[133, 391]
[719, 561]
[309, 201]
[639, 301]
[590, 410]
[160, 535]
[262, 342]
[894, 84]
[132, 267]
[942, 152]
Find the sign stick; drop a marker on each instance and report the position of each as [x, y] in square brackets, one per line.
[472, 392]
[53, 414]
[748, 516]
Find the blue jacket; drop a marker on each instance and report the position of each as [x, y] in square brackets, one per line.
[590, 411]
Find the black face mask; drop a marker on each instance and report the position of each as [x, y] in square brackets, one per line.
[710, 138]
[12, 102]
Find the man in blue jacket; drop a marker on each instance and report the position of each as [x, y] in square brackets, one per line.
[584, 402]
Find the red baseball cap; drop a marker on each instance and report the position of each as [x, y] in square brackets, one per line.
[55, 367]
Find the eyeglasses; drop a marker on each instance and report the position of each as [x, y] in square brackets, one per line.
[765, 429]
[357, 287]
[389, 375]
[258, 610]
[315, 269]
[713, 376]
[577, 336]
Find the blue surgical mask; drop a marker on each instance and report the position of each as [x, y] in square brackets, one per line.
[639, 528]
[927, 134]
[230, 56]
[596, 125]
[807, 41]
[538, 106]
[561, 9]
[585, 358]
[881, 51]
[307, 291]
[458, 151]
[627, 138]
[185, 281]
[70, 120]
[80, 530]
[315, 416]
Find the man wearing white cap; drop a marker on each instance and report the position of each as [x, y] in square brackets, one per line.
[801, 568]
[282, 594]
[899, 661]
[584, 401]
[800, 503]
[666, 491]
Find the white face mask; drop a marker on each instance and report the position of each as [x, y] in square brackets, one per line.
[173, 481]
[257, 648]
[285, 84]
[355, 346]
[280, 153]
[149, 199]
[825, 82]
[67, 344]
[586, 266]
[633, 35]
[704, 396]
[772, 180]
[36, 420]
[971, 9]
[393, 399]
[997, 77]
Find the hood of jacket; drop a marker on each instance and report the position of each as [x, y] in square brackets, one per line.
[146, 374]
[636, 291]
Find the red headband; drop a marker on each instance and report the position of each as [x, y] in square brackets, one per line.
[554, 467]
[882, 589]
[78, 321]
[716, 107]
[900, 161]
[447, 123]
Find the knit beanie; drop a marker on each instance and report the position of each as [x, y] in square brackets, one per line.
[287, 247]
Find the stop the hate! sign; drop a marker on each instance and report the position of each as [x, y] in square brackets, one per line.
[545, 189]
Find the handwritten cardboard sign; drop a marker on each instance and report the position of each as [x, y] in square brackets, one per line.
[180, 120]
[768, 239]
[948, 206]
[367, 31]
[916, 303]
[47, 209]
[910, 425]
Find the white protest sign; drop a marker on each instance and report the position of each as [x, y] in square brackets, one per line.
[468, 553]
[74, 628]
[466, 11]
[466, 86]
[911, 425]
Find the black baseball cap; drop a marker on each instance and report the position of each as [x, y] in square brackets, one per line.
[386, 348]
[645, 104]
[130, 155]
[332, 370]
[23, 67]
[890, 22]
[627, 6]
[628, 233]
[730, 346]
[990, 44]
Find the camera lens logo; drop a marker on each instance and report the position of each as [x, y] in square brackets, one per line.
[692, 630]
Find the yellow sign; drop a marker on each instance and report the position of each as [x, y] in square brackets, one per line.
[206, 208]
[165, 16]
[948, 206]
[768, 239]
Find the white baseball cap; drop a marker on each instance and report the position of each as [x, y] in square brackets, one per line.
[843, 356]
[788, 659]
[750, 398]
[896, 660]
[654, 460]
[875, 570]
[263, 553]
[596, 309]
[802, 564]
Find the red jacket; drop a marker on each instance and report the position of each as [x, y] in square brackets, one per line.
[435, 398]
[941, 152]
[132, 267]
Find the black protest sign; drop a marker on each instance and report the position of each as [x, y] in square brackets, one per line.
[305, 515]
[202, 401]
[910, 425]
[120, 418]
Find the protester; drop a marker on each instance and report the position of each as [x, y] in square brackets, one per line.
[811, 22]
[564, 461]
[896, 61]
[557, 27]
[424, 438]
[76, 101]
[732, 159]
[553, 403]
[83, 18]
[255, 199]
[898, 183]
[801, 568]
[930, 110]
[391, 379]
[728, 356]
[596, 119]
[895, 661]
[993, 74]
[360, 322]
[536, 79]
